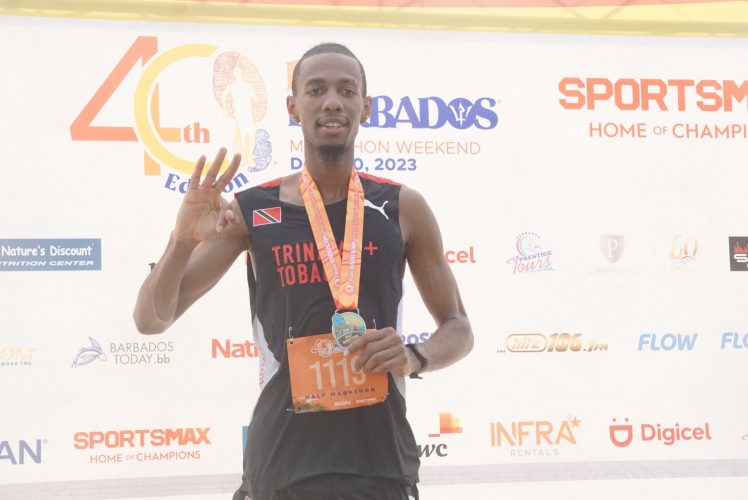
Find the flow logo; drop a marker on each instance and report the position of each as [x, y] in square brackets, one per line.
[667, 342]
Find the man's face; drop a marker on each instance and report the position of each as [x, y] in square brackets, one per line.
[329, 103]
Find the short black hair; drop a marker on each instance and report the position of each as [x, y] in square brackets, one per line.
[328, 48]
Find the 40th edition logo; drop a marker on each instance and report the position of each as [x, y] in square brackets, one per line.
[238, 108]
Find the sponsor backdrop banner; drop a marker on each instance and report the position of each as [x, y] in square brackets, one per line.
[590, 192]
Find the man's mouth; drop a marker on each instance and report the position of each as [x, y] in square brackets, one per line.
[332, 123]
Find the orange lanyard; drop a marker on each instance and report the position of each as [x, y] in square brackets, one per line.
[343, 274]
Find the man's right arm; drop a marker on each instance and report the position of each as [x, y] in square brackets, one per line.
[209, 235]
[185, 272]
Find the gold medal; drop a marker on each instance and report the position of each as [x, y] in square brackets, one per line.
[347, 327]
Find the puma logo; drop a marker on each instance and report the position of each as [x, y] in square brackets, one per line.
[369, 204]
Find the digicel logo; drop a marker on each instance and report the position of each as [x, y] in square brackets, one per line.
[622, 435]
[142, 437]
[631, 94]
[466, 256]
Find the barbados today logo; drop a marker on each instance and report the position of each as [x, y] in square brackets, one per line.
[88, 354]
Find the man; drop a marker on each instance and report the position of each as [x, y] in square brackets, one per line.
[293, 229]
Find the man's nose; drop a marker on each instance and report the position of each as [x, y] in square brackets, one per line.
[332, 103]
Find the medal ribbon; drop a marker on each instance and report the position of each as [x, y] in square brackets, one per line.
[343, 274]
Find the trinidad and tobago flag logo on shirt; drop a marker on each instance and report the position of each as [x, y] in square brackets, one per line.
[265, 216]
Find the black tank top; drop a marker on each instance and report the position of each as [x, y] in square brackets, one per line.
[288, 289]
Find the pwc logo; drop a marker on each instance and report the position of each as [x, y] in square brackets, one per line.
[623, 434]
[634, 94]
[232, 116]
[448, 424]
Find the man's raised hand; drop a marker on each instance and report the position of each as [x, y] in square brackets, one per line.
[204, 213]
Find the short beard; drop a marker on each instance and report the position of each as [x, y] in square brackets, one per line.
[331, 154]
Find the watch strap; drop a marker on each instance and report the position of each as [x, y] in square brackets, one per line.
[421, 358]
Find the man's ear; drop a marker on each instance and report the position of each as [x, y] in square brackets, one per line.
[291, 107]
[367, 109]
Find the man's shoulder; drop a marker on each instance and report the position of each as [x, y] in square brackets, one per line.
[378, 180]
[269, 188]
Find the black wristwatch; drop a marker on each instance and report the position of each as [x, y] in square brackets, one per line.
[420, 357]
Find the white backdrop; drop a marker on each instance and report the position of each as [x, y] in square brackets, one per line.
[509, 172]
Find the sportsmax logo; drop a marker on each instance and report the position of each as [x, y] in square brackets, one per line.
[142, 437]
[631, 94]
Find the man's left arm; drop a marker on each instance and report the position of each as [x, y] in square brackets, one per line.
[424, 253]
[383, 350]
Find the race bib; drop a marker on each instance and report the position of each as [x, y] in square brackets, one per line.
[323, 379]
